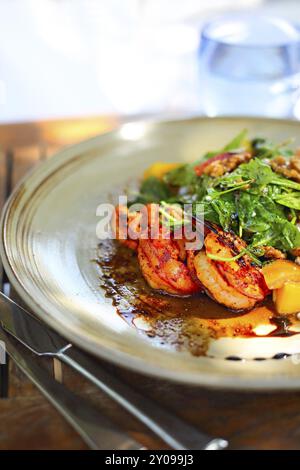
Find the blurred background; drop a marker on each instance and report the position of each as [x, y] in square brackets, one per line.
[73, 58]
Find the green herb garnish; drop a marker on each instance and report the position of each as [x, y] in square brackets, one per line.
[259, 205]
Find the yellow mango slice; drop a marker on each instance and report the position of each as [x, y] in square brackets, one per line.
[159, 169]
[287, 298]
[276, 274]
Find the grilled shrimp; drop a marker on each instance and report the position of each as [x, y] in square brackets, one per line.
[168, 266]
[236, 284]
[241, 274]
[120, 225]
[163, 261]
[217, 287]
[164, 266]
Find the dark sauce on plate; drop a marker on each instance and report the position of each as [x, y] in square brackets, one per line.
[178, 322]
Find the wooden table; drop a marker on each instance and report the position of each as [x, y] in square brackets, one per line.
[28, 421]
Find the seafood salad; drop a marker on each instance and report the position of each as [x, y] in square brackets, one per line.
[226, 226]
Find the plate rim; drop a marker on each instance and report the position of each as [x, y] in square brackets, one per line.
[123, 359]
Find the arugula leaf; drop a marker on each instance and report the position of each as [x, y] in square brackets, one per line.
[238, 142]
[258, 213]
[281, 234]
[264, 148]
[251, 214]
[260, 173]
[225, 208]
[185, 174]
[291, 200]
[181, 176]
[253, 201]
[281, 181]
[256, 171]
[153, 190]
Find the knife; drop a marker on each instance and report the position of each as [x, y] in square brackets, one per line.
[43, 341]
[95, 429]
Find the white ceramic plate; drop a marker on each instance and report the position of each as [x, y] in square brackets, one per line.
[48, 239]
